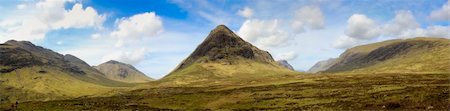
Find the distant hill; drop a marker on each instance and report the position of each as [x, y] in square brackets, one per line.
[322, 65]
[122, 72]
[409, 55]
[224, 56]
[285, 64]
[36, 72]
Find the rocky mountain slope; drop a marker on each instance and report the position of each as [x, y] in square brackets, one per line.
[285, 64]
[409, 55]
[122, 72]
[36, 71]
[223, 55]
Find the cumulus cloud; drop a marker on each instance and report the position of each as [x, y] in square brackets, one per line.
[263, 33]
[78, 17]
[129, 57]
[287, 56]
[50, 15]
[308, 17]
[441, 14]
[402, 22]
[344, 42]
[361, 27]
[246, 12]
[137, 27]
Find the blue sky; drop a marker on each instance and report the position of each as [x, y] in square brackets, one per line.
[155, 35]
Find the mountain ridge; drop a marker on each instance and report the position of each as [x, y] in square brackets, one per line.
[409, 55]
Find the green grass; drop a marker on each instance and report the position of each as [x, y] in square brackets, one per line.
[364, 91]
[242, 71]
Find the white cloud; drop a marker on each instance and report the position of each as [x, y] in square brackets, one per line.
[246, 12]
[438, 31]
[287, 56]
[129, 57]
[51, 10]
[21, 6]
[78, 17]
[441, 14]
[361, 27]
[49, 15]
[344, 42]
[263, 34]
[28, 30]
[308, 17]
[430, 31]
[137, 27]
[402, 22]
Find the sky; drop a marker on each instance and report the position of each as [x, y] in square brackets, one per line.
[156, 35]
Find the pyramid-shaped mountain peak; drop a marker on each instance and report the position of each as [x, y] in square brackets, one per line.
[222, 44]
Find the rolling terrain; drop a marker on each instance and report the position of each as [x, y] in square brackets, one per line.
[362, 91]
[227, 73]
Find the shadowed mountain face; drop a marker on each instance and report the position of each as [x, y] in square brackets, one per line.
[285, 64]
[410, 55]
[223, 55]
[18, 54]
[122, 72]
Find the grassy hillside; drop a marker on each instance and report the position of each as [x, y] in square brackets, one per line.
[410, 55]
[34, 83]
[362, 91]
[238, 72]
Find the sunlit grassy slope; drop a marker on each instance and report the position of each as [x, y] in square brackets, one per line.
[410, 55]
[362, 91]
[238, 71]
[27, 84]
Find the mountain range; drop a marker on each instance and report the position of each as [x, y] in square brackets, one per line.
[30, 72]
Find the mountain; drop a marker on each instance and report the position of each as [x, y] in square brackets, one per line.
[122, 72]
[285, 64]
[409, 55]
[224, 56]
[322, 65]
[30, 72]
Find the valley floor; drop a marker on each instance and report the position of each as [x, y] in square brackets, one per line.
[418, 91]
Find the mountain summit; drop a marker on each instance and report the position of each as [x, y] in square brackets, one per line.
[223, 44]
[224, 56]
